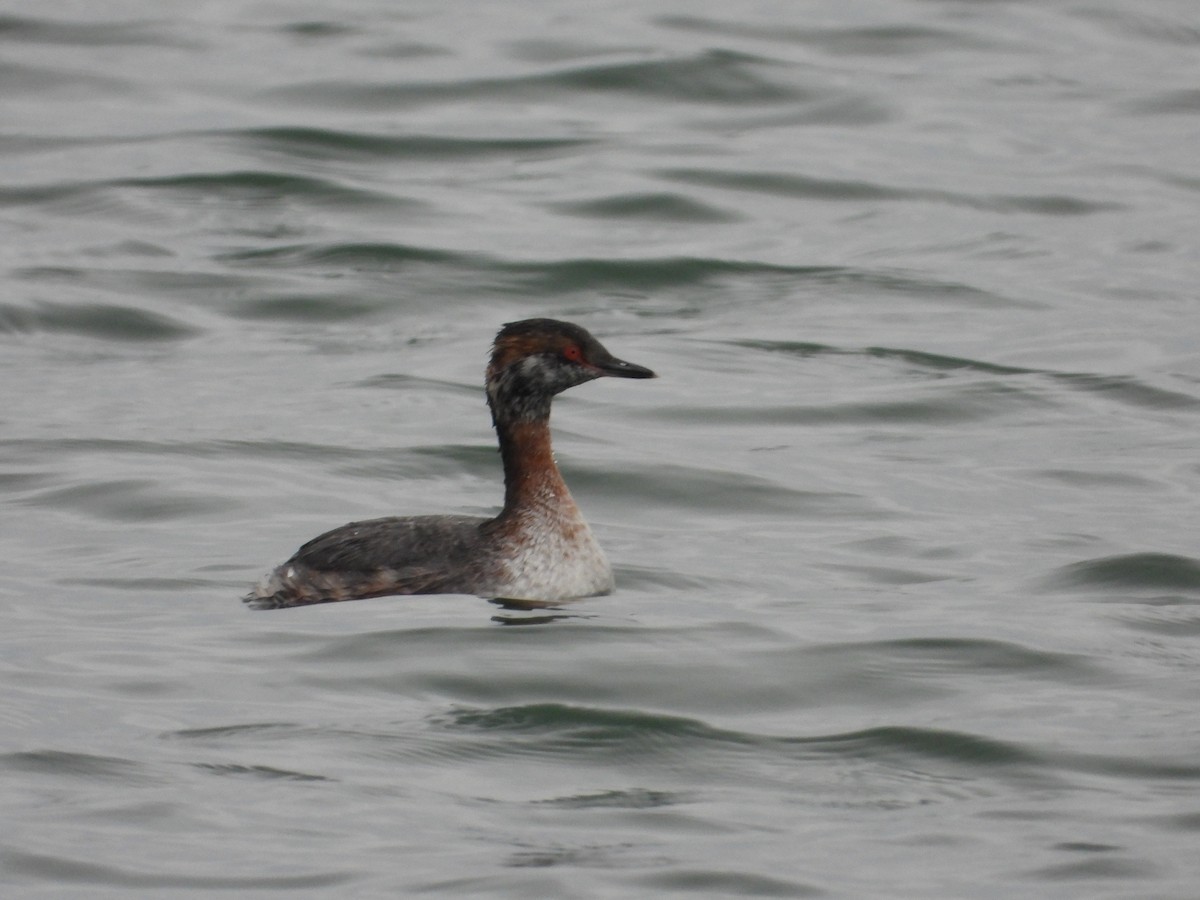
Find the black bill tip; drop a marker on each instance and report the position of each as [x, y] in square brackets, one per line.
[618, 368]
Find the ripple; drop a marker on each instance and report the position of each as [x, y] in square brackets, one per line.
[697, 488]
[258, 773]
[1097, 480]
[552, 50]
[646, 274]
[591, 727]
[591, 855]
[1148, 23]
[1132, 571]
[790, 185]
[264, 187]
[725, 883]
[157, 585]
[1125, 389]
[848, 109]
[549, 278]
[717, 76]
[962, 657]
[950, 405]
[918, 359]
[282, 730]
[109, 323]
[319, 29]
[122, 280]
[1185, 101]
[251, 189]
[652, 207]
[555, 277]
[929, 744]
[27, 79]
[66, 870]
[638, 798]
[59, 763]
[1129, 390]
[360, 256]
[128, 500]
[313, 308]
[323, 143]
[76, 199]
[87, 34]
[885, 40]
[714, 77]
[1169, 616]
[590, 731]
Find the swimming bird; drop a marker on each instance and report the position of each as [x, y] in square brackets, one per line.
[538, 548]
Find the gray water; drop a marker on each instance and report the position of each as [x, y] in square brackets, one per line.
[905, 534]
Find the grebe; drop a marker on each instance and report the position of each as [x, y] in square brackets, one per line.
[538, 548]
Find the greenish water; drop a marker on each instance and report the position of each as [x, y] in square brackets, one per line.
[905, 534]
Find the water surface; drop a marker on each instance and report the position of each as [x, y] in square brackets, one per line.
[905, 533]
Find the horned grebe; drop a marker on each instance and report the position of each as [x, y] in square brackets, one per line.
[538, 548]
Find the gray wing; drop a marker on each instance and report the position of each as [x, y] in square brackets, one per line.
[377, 557]
[393, 543]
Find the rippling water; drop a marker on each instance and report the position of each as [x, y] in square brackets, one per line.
[906, 533]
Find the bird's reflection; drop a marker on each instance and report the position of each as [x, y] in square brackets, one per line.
[553, 612]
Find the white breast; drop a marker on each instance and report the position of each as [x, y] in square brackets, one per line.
[554, 556]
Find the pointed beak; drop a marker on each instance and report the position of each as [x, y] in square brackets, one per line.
[618, 368]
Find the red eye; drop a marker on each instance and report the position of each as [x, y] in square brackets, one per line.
[573, 353]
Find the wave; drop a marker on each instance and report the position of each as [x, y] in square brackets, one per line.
[60, 869]
[856, 191]
[1127, 390]
[255, 187]
[95, 320]
[714, 77]
[324, 143]
[1132, 572]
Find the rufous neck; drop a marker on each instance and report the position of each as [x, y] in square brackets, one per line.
[531, 477]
